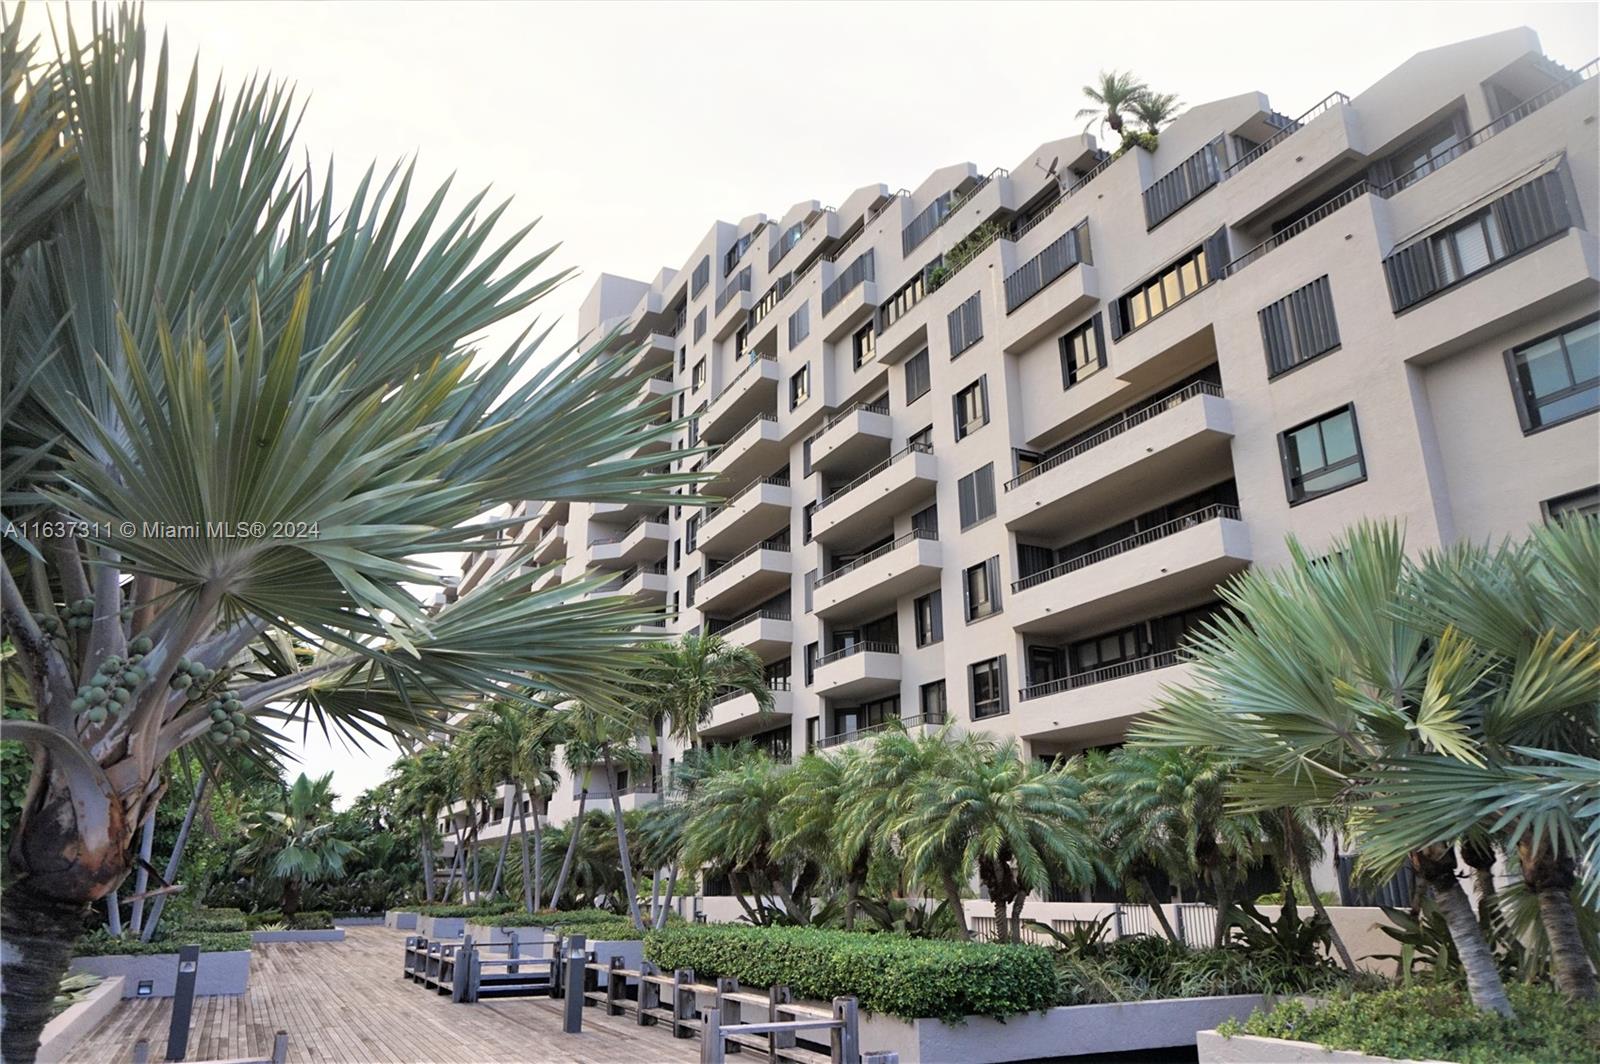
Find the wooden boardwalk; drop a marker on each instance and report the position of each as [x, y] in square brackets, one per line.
[347, 1002]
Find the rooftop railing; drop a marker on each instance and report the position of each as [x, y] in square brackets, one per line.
[1128, 419]
[873, 555]
[1122, 546]
[910, 448]
[1131, 667]
[1333, 99]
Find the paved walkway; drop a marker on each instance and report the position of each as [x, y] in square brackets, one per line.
[347, 1002]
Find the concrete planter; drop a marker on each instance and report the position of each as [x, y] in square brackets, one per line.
[400, 920]
[1071, 1030]
[1252, 1049]
[63, 1032]
[327, 934]
[359, 921]
[631, 952]
[219, 975]
[441, 927]
[494, 934]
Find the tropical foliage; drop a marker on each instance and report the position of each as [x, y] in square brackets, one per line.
[1118, 98]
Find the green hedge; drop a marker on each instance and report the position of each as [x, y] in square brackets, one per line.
[905, 977]
[471, 912]
[100, 943]
[305, 920]
[215, 920]
[1441, 1023]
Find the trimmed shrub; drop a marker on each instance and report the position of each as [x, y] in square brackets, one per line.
[214, 920]
[100, 943]
[1440, 1023]
[310, 920]
[471, 912]
[891, 974]
[610, 928]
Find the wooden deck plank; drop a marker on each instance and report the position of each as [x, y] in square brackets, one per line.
[346, 1003]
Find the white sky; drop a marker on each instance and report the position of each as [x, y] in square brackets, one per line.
[630, 127]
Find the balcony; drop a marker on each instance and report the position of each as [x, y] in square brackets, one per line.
[767, 633]
[875, 581]
[861, 670]
[737, 714]
[1137, 576]
[757, 446]
[1063, 269]
[733, 305]
[1326, 137]
[757, 511]
[1097, 706]
[1177, 439]
[655, 354]
[749, 577]
[853, 439]
[646, 583]
[752, 391]
[656, 392]
[902, 322]
[552, 545]
[916, 725]
[870, 502]
[645, 540]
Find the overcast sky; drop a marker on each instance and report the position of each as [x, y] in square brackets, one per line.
[630, 127]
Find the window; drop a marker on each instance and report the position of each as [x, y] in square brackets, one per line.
[975, 493]
[691, 587]
[691, 534]
[917, 382]
[966, 324]
[1170, 287]
[1299, 327]
[799, 325]
[972, 407]
[987, 681]
[800, 386]
[930, 623]
[677, 553]
[1557, 377]
[700, 324]
[1083, 352]
[1426, 152]
[811, 663]
[702, 277]
[922, 439]
[813, 730]
[741, 343]
[697, 379]
[982, 585]
[1322, 455]
[810, 589]
[1585, 503]
[1467, 247]
[806, 514]
[926, 520]
[931, 700]
[864, 346]
[683, 358]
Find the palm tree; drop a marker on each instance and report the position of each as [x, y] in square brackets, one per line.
[1018, 822]
[1156, 109]
[419, 782]
[1115, 95]
[536, 769]
[665, 822]
[295, 845]
[808, 818]
[682, 680]
[197, 330]
[1345, 682]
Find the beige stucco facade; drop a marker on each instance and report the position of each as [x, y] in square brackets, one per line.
[1443, 446]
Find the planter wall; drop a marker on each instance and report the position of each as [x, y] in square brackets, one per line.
[528, 938]
[631, 952]
[1251, 1049]
[219, 974]
[400, 920]
[359, 921]
[329, 934]
[1060, 1032]
[64, 1032]
[442, 928]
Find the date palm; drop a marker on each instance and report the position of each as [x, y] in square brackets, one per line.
[682, 680]
[295, 844]
[420, 784]
[808, 821]
[197, 331]
[1114, 95]
[665, 822]
[1155, 109]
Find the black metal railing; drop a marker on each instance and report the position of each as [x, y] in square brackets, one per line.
[868, 646]
[850, 278]
[778, 479]
[1344, 199]
[1122, 546]
[1131, 667]
[716, 627]
[712, 567]
[752, 360]
[746, 427]
[917, 720]
[876, 406]
[777, 683]
[873, 555]
[1125, 421]
[1333, 99]
[910, 448]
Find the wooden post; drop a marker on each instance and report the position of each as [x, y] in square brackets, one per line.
[460, 971]
[183, 1002]
[591, 978]
[513, 951]
[614, 986]
[141, 1051]
[884, 1056]
[572, 1015]
[682, 1002]
[846, 1040]
[728, 1011]
[649, 994]
[558, 979]
[474, 975]
[280, 1047]
[777, 997]
[711, 1038]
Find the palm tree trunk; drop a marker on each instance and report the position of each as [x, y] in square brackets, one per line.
[1480, 858]
[1321, 910]
[1224, 887]
[175, 859]
[572, 844]
[455, 863]
[141, 878]
[1002, 926]
[666, 907]
[622, 843]
[426, 834]
[655, 894]
[952, 894]
[527, 876]
[113, 913]
[1016, 915]
[738, 893]
[538, 862]
[1551, 879]
[852, 894]
[1159, 912]
[38, 932]
[1436, 867]
[505, 843]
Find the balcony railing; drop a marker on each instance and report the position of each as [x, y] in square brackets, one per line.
[897, 724]
[1122, 546]
[741, 283]
[779, 479]
[716, 627]
[777, 683]
[713, 567]
[748, 425]
[1061, 256]
[1126, 420]
[876, 406]
[873, 555]
[865, 647]
[850, 278]
[1332, 100]
[752, 360]
[1131, 667]
[910, 448]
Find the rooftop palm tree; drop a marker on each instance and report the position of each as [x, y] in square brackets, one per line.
[295, 845]
[1156, 109]
[251, 408]
[1114, 95]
